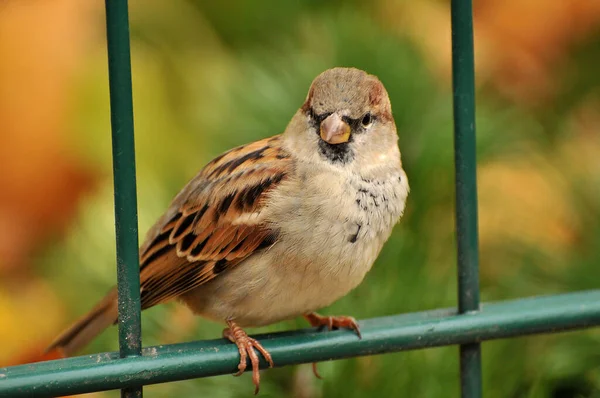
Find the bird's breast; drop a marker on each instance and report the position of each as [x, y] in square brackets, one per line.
[333, 226]
[331, 229]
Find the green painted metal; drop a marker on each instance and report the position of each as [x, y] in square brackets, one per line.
[465, 160]
[121, 105]
[470, 370]
[124, 177]
[463, 80]
[380, 335]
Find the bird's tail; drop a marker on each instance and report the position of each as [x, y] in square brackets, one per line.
[80, 333]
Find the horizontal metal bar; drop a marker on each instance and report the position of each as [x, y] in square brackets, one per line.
[380, 335]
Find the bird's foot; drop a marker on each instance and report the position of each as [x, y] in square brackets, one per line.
[331, 322]
[246, 346]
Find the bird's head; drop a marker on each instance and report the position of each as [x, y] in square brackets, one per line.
[346, 120]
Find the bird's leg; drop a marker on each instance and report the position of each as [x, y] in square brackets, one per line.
[331, 322]
[246, 346]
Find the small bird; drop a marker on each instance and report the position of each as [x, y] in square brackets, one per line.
[278, 228]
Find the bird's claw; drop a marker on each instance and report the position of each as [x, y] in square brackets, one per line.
[331, 322]
[246, 346]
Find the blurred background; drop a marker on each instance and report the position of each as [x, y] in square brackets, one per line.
[211, 75]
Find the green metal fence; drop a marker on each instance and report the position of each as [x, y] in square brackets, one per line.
[467, 326]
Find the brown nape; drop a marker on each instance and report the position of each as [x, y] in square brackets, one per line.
[376, 94]
[379, 100]
[305, 108]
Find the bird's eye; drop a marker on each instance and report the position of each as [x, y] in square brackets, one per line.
[367, 119]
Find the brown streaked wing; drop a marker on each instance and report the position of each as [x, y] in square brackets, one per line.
[212, 224]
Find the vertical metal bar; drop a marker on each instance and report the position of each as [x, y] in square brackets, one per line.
[463, 80]
[121, 105]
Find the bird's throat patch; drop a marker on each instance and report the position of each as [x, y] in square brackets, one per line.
[336, 153]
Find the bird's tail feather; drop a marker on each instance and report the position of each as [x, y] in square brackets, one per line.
[80, 333]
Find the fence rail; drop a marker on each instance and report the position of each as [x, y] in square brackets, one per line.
[126, 223]
[436, 328]
[467, 238]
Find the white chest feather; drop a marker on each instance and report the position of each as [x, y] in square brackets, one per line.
[331, 232]
[331, 229]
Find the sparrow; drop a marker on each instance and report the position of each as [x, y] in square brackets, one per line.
[280, 227]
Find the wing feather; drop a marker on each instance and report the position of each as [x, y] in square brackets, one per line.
[213, 224]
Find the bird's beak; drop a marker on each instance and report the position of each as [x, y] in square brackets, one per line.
[334, 130]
